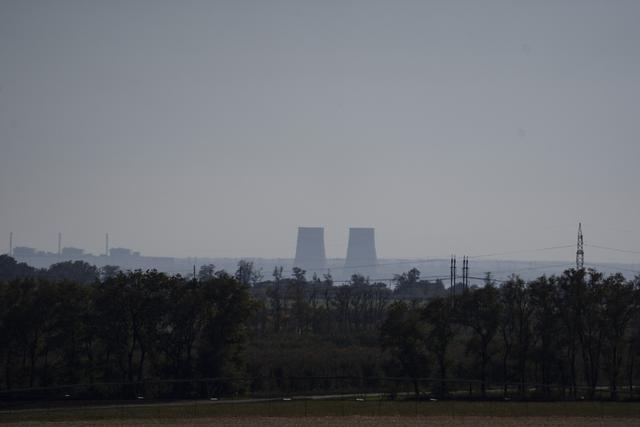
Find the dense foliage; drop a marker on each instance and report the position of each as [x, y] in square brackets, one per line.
[576, 329]
[73, 323]
[127, 327]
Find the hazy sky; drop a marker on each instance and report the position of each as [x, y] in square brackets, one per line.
[210, 128]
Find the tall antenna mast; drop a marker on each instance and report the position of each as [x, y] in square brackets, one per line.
[11, 243]
[59, 244]
[106, 245]
[580, 249]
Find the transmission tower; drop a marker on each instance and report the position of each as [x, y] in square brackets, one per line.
[580, 249]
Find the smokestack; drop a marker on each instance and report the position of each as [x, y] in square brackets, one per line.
[361, 252]
[310, 255]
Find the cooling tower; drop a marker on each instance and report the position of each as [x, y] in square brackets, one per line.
[310, 254]
[361, 253]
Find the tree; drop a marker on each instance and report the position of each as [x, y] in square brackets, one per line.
[73, 271]
[10, 269]
[570, 297]
[296, 293]
[411, 277]
[441, 330]
[275, 294]
[109, 271]
[620, 302]
[247, 274]
[480, 312]
[227, 307]
[131, 308]
[402, 334]
[580, 296]
[69, 335]
[206, 272]
[546, 327]
[407, 285]
[178, 329]
[515, 329]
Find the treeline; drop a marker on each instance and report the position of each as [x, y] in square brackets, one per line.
[128, 327]
[72, 271]
[74, 323]
[558, 333]
[316, 328]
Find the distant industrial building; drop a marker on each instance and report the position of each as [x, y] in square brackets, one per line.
[310, 254]
[123, 253]
[361, 252]
[24, 252]
[70, 253]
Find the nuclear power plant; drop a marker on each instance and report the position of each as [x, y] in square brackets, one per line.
[361, 252]
[310, 254]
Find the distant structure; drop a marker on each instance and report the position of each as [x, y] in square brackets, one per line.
[452, 276]
[454, 286]
[361, 252]
[465, 273]
[11, 243]
[72, 254]
[580, 249]
[123, 253]
[310, 254]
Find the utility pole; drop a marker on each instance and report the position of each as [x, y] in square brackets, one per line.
[465, 273]
[580, 249]
[467, 281]
[452, 276]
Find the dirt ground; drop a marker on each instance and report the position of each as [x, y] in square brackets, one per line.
[352, 421]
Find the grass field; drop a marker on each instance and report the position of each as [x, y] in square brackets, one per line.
[313, 412]
[356, 421]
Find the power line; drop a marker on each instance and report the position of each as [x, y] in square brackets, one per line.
[602, 265]
[500, 280]
[381, 264]
[485, 278]
[521, 251]
[612, 249]
[564, 264]
[374, 280]
[443, 259]
[523, 269]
